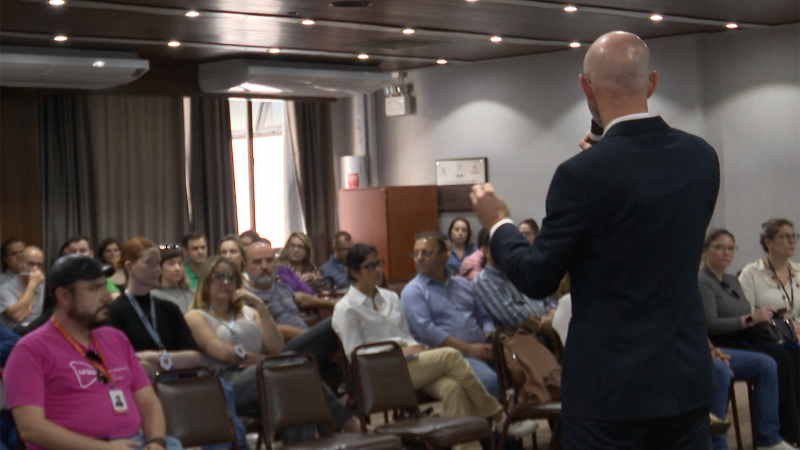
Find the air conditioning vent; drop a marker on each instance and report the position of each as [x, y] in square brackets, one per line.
[68, 68]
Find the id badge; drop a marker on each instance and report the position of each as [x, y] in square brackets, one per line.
[118, 401]
[165, 361]
[239, 348]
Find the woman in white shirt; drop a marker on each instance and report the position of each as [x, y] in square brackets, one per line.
[368, 314]
[774, 281]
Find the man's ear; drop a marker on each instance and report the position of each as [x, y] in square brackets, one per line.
[62, 294]
[586, 86]
[652, 83]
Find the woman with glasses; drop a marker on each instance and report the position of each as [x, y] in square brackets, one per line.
[368, 314]
[234, 328]
[772, 372]
[774, 281]
[172, 283]
[296, 258]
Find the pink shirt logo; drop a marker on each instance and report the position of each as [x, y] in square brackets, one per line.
[87, 375]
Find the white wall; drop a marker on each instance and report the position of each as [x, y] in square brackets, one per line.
[527, 115]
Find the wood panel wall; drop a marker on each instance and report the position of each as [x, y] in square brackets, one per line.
[20, 191]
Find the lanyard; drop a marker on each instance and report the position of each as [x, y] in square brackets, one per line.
[791, 287]
[100, 366]
[231, 325]
[148, 325]
[30, 307]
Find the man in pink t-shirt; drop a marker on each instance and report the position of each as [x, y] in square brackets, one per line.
[73, 383]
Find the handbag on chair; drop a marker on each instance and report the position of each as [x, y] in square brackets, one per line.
[778, 332]
[533, 369]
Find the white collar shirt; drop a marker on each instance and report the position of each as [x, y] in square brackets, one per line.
[762, 290]
[357, 322]
[637, 116]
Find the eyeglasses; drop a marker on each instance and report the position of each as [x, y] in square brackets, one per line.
[93, 356]
[296, 247]
[416, 254]
[223, 277]
[720, 248]
[786, 237]
[373, 265]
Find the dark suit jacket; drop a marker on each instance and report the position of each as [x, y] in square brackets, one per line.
[627, 219]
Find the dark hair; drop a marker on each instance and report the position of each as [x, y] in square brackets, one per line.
[63, 248]
[251, 234]
[483, 237]
[468, 242]
[714, 234]
[74, 240]
[4, 250]
[770, 228]
[531, 223]
[435, 235]
[344, 235]
[356, 256]
[98, 254]
[193, 236]
[170, 251]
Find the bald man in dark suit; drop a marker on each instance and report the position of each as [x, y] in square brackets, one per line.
[626, 218]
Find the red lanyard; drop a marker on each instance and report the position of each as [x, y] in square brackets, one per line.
[30, 307]
[100, 366]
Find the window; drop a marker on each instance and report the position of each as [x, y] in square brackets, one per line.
[259, 167]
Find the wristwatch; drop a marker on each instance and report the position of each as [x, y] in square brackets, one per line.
[159, 440]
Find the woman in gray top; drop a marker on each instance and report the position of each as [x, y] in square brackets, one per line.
[773, 372]
[172, 283]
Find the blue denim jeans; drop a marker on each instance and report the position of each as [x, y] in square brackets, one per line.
[172, 443]
[760, 370]
[487, 375]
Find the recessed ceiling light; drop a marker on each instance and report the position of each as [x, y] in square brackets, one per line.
[441, 62]
[575, 44]
[60, 38]
[98, 64]
[496, 39]
[192, 13]
[570, 8]
[363, 56]
[732, 26]
[56, 2]
[308, 22]
[656, 17]
[471, 1]
[174, 44]
[274, 50]
[409, 31]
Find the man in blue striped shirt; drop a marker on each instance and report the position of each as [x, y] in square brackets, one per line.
[507, 305]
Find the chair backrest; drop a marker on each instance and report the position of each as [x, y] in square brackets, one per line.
[195, 407]
[291, 393]
[382, 379]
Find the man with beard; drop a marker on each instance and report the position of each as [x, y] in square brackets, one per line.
[74, 383]
[319, 340]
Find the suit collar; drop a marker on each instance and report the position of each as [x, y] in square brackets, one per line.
[637, 126]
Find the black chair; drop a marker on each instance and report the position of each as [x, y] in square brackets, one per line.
[549, 411]
[291, 395]
[383, 383]
[194, 407]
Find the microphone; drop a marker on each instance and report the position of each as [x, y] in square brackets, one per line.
[595, 133]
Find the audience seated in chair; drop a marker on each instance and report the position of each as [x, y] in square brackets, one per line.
[195, 252]
[233, 327]
[172, 282]
[443, 310]
[21, 299]
[369, 314]
[460, 236]
[320, 340]
[335, 269]
[504, 302]
[296, 258]
[11, 253]
[73, 383]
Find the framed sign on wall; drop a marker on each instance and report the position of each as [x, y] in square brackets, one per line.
[461, 171]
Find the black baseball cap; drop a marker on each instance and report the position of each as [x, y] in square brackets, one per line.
[69, 268]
